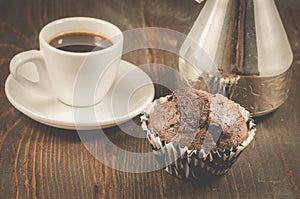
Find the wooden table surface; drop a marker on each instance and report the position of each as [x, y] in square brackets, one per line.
[38, 161]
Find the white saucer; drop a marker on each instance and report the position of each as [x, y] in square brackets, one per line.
[132, 91]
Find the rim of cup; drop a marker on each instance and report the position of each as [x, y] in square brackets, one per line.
[117, 38]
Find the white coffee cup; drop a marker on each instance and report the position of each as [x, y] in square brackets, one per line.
[75, 78]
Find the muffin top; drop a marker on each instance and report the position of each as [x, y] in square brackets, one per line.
[199, 120]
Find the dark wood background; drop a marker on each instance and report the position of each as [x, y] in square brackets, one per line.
[38, 161]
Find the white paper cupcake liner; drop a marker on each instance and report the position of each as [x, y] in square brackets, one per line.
[189, 164]
[225, 84]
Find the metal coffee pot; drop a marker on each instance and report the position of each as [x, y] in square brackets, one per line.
[239, 48]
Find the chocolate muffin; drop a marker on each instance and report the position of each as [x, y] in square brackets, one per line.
[189, 116]
[195, 125]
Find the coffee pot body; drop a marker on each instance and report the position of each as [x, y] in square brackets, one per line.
[249, 52]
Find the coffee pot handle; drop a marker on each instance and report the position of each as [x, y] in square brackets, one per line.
[34, 57]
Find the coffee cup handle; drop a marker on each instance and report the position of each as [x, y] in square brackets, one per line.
[35, 57]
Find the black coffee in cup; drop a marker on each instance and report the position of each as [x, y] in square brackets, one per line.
[80, 42]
